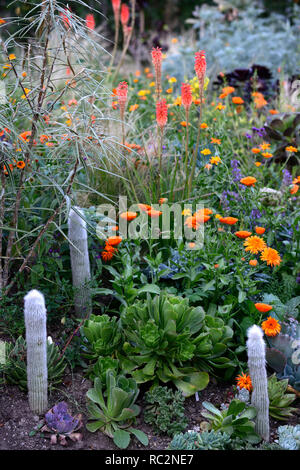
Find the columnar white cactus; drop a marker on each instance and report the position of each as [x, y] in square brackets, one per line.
[36, 340]
[80, 262]
[258, 374]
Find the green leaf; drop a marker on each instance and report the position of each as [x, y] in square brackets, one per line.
[140, 435]
[121, 438]
[152, 288]
[94, 426]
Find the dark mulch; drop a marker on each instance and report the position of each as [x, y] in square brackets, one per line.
[17, 421]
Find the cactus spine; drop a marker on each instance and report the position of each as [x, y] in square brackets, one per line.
[80, 262]
[36, 340]
[257, 370]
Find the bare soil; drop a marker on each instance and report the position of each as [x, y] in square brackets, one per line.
[18, 423]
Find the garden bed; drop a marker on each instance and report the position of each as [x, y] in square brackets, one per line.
[17, 420]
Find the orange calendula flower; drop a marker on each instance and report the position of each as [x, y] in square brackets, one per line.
[257, 164]
[215, 141]
[237, 100]
[133, 107]
[260, 230]
[108, 252]
[144, 207]
[253, 262]
[265, 146]
[203, 125]
[243, 234]
[263, 308]
[220, 107]
[114, 240]
[255, 150]
[248, 181]
[215, 160]
[244, 381]
[294, 189]
[21, 165]
[267, 155]
[291, 149]
[254, 244]
[271, 326]
[128, 215]
[228, 220]
[273, 111]
[154, 214]
[205, 152]
[228, 89]
[296, 180]
[271, 256]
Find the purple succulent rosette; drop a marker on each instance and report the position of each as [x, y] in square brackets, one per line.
[60, 423]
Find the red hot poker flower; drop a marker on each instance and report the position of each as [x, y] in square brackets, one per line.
[156, 56]
[125, 13]
[200, 65]
[161, 113]
[157, 60]
[186, 95]
[121, 92]
[90, 21]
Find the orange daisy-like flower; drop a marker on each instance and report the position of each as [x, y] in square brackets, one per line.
[263, 308]
[108, 252]
[255, 150]
[215, 141]
[254, 244]
[253, 262]
[154, 214]
[244, 381]
[273, 111]
[227, 90]
[237, 100]
[291, 149]
[271, 256]
[271, 326]
[260, 230]
[21, 165]
[243, 234]
[144, 207]
[248, 181]
[114, 240]
[128, 215]
[257, 164]
[265, 146]
[267, 155]
[228, 220]
[294, 189]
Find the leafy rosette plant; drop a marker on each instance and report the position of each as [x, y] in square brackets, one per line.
[211, 344]
[61, 424]
[15, 371]
[236, 420]
[103, 336]
[102, 365]
[115, 415]
[161, 335]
